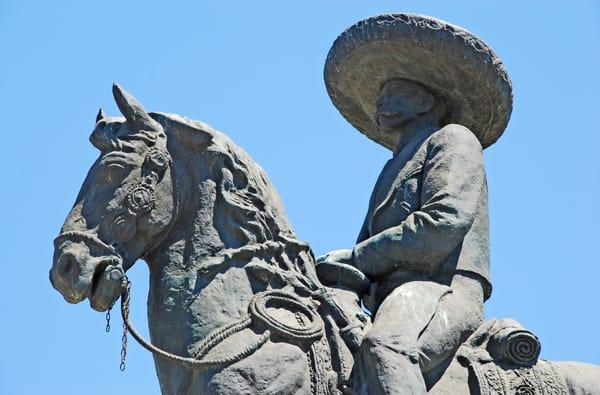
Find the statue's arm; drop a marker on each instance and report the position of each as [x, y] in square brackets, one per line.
[453, 178]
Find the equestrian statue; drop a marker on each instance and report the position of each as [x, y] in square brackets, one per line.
[239, 305]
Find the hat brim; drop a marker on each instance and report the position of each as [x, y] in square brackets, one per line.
[451, 62]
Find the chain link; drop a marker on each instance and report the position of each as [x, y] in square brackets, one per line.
[125, 307]
[107, 329]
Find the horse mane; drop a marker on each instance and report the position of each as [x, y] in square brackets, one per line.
[249, 197]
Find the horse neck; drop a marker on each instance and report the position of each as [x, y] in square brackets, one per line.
[210, 264]
[193, 235]
[226, 205]
[179, 312]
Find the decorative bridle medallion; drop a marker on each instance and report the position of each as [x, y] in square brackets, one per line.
[140, 198]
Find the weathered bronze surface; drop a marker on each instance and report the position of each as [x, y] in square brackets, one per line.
[239, 305]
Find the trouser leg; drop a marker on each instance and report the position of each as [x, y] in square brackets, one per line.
[389, 359]
[417, 327]
[457, 316]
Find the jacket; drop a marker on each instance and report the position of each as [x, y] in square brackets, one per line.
[428, 212]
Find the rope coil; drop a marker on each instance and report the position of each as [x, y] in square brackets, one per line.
[211, 340]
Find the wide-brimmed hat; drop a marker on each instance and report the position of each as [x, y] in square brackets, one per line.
[449, 61]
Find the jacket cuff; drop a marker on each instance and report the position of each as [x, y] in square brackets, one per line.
[368, 259]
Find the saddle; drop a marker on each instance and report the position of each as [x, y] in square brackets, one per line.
[501, 355]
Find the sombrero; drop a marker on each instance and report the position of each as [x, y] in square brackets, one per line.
[448, 60]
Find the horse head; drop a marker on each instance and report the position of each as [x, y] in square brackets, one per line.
[127, 201]
[130, 199]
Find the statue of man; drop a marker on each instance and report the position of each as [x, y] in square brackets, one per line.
[424, 241]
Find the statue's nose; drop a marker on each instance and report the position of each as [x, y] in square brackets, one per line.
[65, 278]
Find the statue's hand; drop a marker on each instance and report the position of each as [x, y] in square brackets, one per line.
[337, 269]
[342, 256]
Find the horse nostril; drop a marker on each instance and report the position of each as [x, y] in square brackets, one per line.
[67, 266]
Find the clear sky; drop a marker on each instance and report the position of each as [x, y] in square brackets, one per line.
[254, 71]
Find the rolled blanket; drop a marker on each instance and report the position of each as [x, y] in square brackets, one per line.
[512, 343]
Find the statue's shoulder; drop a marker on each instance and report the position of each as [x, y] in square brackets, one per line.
[455, 136]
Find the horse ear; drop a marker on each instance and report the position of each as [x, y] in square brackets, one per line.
[133, 111]
[100, 115]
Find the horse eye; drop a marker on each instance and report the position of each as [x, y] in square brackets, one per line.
[115, 172]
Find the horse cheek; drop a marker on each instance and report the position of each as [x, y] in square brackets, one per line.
[158, 220]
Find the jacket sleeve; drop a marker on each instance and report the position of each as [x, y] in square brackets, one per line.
[364, 230]
[452, 180]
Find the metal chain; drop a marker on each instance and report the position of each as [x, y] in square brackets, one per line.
[107, 329]
[125, 307]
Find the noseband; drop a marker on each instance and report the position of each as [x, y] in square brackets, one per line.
[74, 235]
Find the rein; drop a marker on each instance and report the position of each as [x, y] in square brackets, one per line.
[207, 344]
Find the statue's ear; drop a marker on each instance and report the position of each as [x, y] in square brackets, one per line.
[133, 111]
[192, 134]
[100, 116]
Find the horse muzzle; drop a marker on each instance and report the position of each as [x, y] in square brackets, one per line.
[84, 266]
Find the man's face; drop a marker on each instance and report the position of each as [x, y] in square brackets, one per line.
[399, 103]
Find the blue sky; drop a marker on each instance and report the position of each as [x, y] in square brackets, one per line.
[254, 71]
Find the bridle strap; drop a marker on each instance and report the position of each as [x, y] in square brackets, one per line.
[171, 224]
[86, 236]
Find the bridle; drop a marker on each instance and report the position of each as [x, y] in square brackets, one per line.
[75, 235]
[93, 239]
[200, 361]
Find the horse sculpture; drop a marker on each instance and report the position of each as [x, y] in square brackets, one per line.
[235, 303]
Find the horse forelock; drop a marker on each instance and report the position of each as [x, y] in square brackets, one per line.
[116, 134]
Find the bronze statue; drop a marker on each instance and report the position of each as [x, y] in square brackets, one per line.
[424, 241]
[238, 305]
